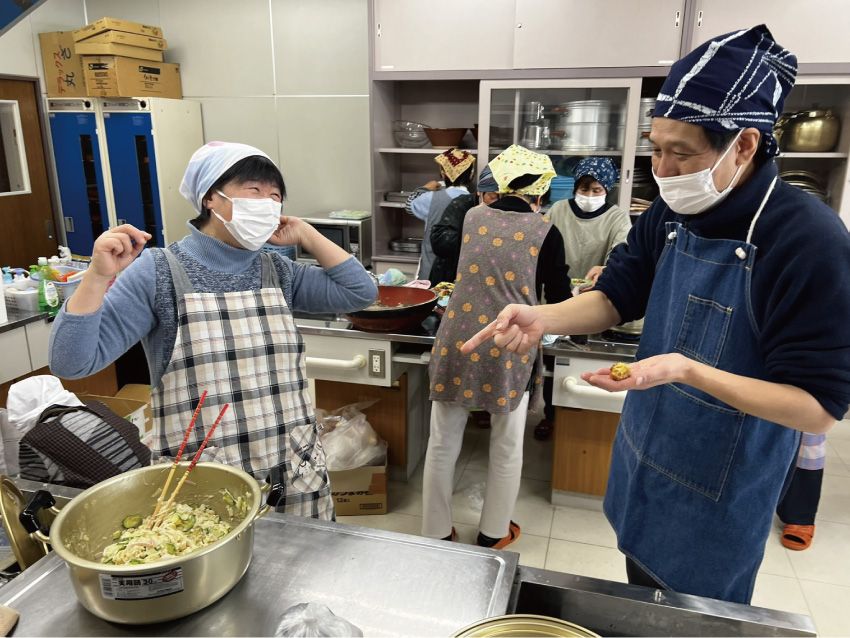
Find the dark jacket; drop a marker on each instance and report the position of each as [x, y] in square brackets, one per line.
[800, 288]
[446, 237]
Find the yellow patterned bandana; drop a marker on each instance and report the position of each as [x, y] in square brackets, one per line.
[516, 161]
[454, 162]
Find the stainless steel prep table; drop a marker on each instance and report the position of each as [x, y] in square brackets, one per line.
[386, 584]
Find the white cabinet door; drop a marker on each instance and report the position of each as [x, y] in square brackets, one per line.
[815, 31]
[602, 33]
[443, 35]
[15, 361]
[38, 339]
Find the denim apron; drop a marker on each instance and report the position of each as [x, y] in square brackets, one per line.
[694, 482]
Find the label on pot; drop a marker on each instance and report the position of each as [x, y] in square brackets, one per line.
[142, 587]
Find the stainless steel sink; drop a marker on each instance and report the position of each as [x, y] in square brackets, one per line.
[618, 609]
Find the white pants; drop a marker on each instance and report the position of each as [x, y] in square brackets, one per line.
[503, 469]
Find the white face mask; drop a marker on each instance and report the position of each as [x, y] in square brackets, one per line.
[694, 193]
[589, 204]
[252, 221]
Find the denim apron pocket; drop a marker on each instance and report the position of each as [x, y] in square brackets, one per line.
[702, 334]
[699, 456]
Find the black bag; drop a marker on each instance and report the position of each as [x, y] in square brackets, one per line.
[80, 446]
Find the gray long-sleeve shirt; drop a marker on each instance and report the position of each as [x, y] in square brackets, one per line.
[141, 304]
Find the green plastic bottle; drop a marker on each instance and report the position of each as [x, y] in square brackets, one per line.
[48, 295]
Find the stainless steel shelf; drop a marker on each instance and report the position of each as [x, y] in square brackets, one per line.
[421, 151]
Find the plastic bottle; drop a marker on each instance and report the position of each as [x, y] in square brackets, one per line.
[48, 295]
[7, 275]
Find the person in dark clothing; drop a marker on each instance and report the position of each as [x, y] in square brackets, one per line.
[799, 506]
[447, 232]
[743, 347]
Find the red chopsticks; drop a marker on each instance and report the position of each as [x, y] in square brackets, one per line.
[194, 462]
[179, 454]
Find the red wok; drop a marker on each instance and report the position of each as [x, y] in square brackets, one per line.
[397, 309]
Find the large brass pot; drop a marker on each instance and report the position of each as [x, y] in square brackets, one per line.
[168, 589]
[808, 131]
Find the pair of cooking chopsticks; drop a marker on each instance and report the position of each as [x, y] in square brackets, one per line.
[160, 508]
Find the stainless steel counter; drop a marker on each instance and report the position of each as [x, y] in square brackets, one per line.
[392, 584]
[618, 609]
[386, 584]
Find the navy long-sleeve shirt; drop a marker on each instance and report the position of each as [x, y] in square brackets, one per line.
[800, 293]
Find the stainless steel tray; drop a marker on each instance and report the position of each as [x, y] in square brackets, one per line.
[386, 584]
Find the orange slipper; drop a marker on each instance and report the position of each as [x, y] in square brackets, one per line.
[513, 534]
[797, 537]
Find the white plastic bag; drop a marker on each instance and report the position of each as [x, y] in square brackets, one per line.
[314, 619]
[348, 439]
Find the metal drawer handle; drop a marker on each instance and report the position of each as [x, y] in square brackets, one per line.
[571, 384]
[355, 363]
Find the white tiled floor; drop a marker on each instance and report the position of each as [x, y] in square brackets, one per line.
[814, 582]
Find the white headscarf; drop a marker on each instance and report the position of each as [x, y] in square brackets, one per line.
[207, 164]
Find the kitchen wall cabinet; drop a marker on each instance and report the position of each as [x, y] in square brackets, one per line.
[441, 104]
[815, 30]
[608, 113]
[606, 33]
[832, 168]
[16, 357]
[411, 35]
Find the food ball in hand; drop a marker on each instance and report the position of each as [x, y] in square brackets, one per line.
[620, 371]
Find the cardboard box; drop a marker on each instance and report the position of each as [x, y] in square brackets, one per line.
[112, 76]
[142, 393]
[362, 490]
[114, 24]
[128, 39]
[84, 48]
[133, 411]
[63, 68]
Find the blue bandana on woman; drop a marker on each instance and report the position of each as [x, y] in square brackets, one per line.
[735, 81]
[601, 169]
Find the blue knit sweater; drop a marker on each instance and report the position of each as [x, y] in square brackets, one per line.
[800, 284]
[141, 304]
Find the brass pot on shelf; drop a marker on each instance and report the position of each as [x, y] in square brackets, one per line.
[814, 131]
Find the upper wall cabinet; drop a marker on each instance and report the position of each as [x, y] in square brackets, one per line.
[815, 30]
[443, 35]
[602, 33]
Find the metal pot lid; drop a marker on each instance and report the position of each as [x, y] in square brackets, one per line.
[27, 550]
[523, 625]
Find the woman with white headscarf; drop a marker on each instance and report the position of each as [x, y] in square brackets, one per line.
[214, 314]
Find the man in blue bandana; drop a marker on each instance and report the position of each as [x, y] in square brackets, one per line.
[743, 346]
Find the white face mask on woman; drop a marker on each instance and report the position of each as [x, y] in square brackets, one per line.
[252, 221]
[694, 193]
[589, 204]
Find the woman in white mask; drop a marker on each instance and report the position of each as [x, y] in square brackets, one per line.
[214, 314]
[591, 227]
[743, 346]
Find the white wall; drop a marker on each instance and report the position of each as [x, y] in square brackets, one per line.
[287, 76]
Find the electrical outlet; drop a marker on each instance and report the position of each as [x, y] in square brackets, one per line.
[376, 363]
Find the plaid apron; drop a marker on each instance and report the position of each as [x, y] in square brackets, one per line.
[243, 348]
